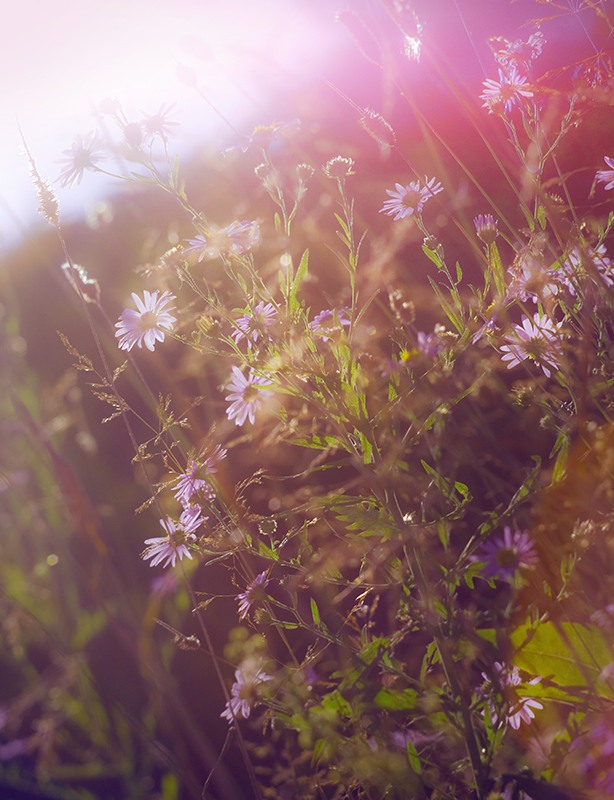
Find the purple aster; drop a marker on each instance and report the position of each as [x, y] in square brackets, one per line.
[190, 489]
[510, 86]
[244, 693]
[517, 709]
[574, 266]
[531, 280]
[521, 53]
[328, 322]
[253, 593]
[148, 324]
[247, 394]
[606, 175]
[83, 154]
[167, 549]
[159, 124]
[252, 325]
[432, 344]
[410, 199]
[538, 340]
[235, 239]
[486, 227]
[505, 555]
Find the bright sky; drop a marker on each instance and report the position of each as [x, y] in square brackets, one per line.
[59, 60]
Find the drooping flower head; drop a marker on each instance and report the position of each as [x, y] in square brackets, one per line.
[148, 324]
[253, 594]
[84, 154]
[507, 91]
[537, 340]
[174, 546]
[606, 175]
[410, 199]
[252, 325]
[190, 489]
[516, 709]
[244, 692]
[247, 394]
[505, 555]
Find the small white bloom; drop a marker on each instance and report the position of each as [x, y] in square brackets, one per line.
[148, 324]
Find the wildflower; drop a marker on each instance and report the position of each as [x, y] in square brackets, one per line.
[244, 693]
[252, 325]
[304, 172]
[506, 90]
[410, 199]
[148, 324]
[574, 266]
[234, 239]
[506, 554]
[190, 488]
[83, 154]
[329, 321]
[518, 52]
[246, 395]
[339, 167]
[167, 549]
[431, 344]
[537, 340]
[253, 593]
[159, 124]
[606, 175]
[486, 227]
[517, 709]
[532, 281]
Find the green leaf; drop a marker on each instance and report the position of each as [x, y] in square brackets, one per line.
[267, 552]
[414, 758]
[315, 613]
[300, 276]
[395, 700]
[570, 653]
[433, 256]
[561, 450]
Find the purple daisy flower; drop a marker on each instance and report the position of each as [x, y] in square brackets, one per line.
[148, 324]
[518, 709]
[252, 325]
[232, 240]
[190, 488]
[328, 322]
[253, 593]
[507, 90]
[537, 340]
[244, 693]
[606, 175]
[486, 227]
[505, 555]
[166, 550]
[410, 199]
[247, 394]
[84, 154]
